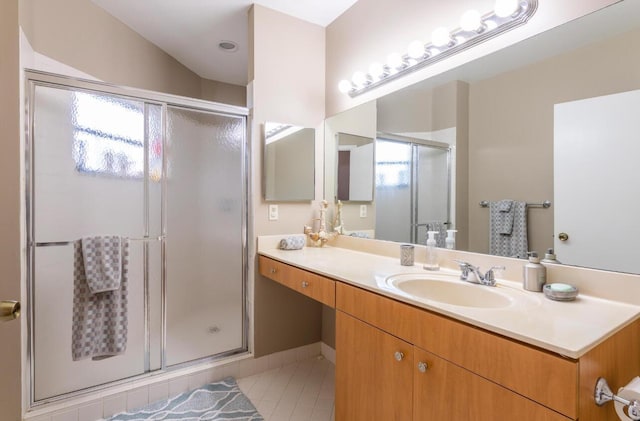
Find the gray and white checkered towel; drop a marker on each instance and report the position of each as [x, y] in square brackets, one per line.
[100, 324]
[514, 244]
[102, 262]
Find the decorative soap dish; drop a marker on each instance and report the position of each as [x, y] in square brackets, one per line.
[560, 292]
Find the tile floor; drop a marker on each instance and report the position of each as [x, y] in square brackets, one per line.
[302, 391]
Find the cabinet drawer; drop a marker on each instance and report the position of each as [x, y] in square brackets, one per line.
[386, 314]
[539, 375]
[314, 286]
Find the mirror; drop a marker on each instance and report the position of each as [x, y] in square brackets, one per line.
[289, 156]
[355, 169]
[497, 115]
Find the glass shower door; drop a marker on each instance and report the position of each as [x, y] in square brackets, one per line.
[204, 234]
[89, 158]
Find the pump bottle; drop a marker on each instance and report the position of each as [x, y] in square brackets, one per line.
[431, 261]
[450, 241]
[534, 274]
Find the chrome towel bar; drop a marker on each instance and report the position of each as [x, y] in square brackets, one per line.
[545, 204]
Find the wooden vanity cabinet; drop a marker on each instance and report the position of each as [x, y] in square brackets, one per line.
[440, 387]
[313, 286]
[374, 379]
[469, 373]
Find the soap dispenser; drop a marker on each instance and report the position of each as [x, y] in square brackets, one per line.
[431, 261]
[534, 274]
[450, 241]
[550, 257]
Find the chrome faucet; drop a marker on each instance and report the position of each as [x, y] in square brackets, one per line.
[471, 273]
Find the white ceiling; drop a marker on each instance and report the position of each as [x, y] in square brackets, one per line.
[190, 30]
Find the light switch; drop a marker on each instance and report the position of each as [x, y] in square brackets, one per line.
[363, 211]
[273, 212]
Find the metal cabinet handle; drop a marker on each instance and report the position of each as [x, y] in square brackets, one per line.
[563, 236]
[399, 356]
[422, 367]
[9, 310]
[305, 284]
[273, 270]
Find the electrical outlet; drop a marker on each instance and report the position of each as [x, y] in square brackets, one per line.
[363, 211]
[273, 212]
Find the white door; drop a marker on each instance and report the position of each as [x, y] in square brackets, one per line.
[597, 182]
[10, 374]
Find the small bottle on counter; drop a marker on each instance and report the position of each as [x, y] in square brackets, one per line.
[431, 261]
[534, 274]
[550, 257]
[450, 241]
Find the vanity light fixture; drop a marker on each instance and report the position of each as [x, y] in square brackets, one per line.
[474, 28]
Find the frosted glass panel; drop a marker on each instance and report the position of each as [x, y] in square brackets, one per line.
[393, 191]
[55, 371]
[88, 165]
[204, 234]
[432, 190]
[88, 176]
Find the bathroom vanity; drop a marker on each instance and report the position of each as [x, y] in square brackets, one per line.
[400, 357]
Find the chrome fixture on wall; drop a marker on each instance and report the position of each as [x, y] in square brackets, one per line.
[474, 28]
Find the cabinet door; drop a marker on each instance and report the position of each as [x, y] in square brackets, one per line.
[445, 391]
[373, 373]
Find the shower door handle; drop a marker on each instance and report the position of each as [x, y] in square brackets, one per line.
[9, 310]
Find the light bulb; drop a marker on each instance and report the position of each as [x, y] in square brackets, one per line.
[471, 20]
[376, 70]
[416, 49]
[394, 60]
[344, 86]
[440, 37]
[359, 79]
[504, 8]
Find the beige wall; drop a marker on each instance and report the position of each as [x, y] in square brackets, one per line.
[511, 128]
[226, 93]
[288, 87]
[372, 29]
[10, 356]
[82, 35]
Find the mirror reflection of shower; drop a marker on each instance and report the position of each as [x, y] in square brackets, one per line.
[413, 189]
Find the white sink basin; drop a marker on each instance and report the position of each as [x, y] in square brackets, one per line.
[451, 291]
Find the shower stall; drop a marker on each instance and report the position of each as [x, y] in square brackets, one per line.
[167, 176]
[413, 189]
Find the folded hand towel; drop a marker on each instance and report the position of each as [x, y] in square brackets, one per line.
[99, 327]
[102, 262]
[292, 243]
[504, 217]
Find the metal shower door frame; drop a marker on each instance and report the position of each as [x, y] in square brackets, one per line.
[35, 78]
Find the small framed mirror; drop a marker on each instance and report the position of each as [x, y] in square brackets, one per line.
[289, 163]
[355, 169]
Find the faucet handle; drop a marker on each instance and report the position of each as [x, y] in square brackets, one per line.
[465, 268]
[489, 278]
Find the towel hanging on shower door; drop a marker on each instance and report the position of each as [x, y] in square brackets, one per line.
[100, 324]
[508, 229]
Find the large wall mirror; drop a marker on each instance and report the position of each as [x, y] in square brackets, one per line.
[289, 156]
[505, 127]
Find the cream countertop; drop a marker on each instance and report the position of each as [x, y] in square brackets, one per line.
[567, 328]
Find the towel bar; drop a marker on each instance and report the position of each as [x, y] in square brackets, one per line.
[545, 204]
[68, 243]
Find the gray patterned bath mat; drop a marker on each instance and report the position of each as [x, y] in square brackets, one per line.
[222, 400]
